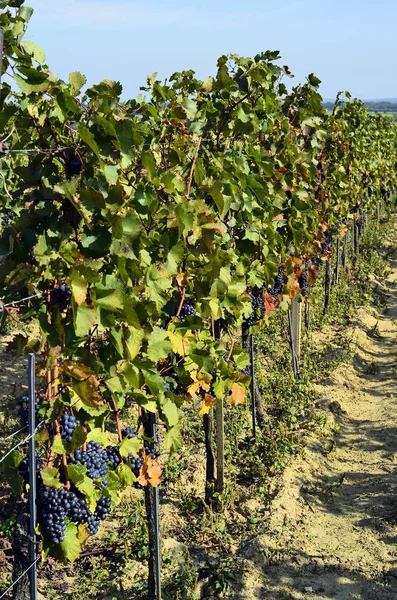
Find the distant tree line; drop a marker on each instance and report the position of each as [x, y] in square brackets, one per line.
[377, 106]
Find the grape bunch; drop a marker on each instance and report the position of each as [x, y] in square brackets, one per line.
[113, 456]
[317, 261]
[78, 510]
[276, 290]
[257, 305]
[68, 423]
[57, 504]
[61, 296]
[7, 218]
[187, 310]
[53, 508]
[303, 281]
[75, 166]
[129, 432]
[102, 508]
[23, 468]
[94, 458]
[23, 409]
[246, 371]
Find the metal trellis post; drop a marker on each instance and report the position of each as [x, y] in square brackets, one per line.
[32, 475]
[252, 361]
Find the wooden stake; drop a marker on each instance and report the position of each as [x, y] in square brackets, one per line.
[296, 315]
[327, 285]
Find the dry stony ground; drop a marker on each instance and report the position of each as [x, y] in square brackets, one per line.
[332, 529]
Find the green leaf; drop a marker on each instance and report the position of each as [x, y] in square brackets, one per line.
[172, 440]
[79, 287]
[35, 50]
[85, 317]
[9, 466]
[88, 138]
[169, 413]
[133, 339]
[125, 475]
[76, 81]
[190, 107]
[111, 173]
[99, 436]
[49, 477]
[79, 437]
[69, 549]
[149, 162]
[130, 446]
[113, 481]
[78, 474]
[58, 446]
[159, 345]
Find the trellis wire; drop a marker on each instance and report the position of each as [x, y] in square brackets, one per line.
[19, 578]
[3, 441]
[21, 301]
[21, 443]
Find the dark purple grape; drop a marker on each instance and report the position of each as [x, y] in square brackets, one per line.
[61, 297]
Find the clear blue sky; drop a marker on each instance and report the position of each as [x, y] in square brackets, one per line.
[349, 44]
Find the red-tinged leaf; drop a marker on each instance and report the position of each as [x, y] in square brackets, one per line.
[269, 304]
[150, 472]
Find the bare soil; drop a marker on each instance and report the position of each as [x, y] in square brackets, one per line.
[332, 529]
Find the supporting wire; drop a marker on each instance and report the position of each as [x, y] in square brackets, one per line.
[22, 442]
[13, 434]
[19, 578]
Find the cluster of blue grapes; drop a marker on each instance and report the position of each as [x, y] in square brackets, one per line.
[136, 462]
[257, 305]
[55, 505]
[74, 165]
[23, 409]
[94, 458]
[113, 456]
[303, 281]
[61, 296]
[277, 288]
[23, 468]
[7, 218]
[68, 423]
[187, 310]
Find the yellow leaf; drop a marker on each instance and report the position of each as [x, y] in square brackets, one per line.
[200, 381]
[207, 404]
[180, 345]
[237, 394]
[150, 472]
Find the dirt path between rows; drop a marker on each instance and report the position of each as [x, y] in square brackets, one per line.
[332, 529]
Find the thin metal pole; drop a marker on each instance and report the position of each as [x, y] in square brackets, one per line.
[291, 342]
[32, 474]
[252, 361]
[220, 430]
[156, 515]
